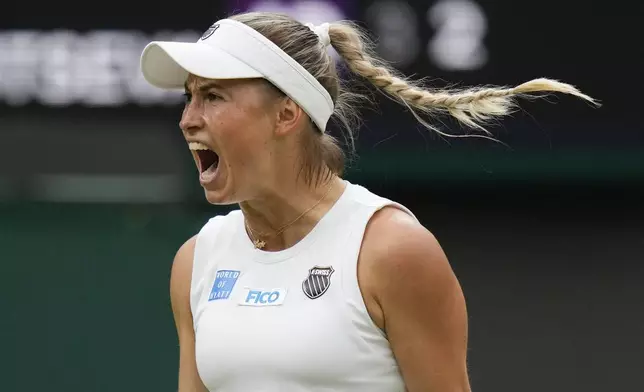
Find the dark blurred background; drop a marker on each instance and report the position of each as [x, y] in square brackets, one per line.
[97, 189]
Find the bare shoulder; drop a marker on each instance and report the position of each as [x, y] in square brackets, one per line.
[395, 226]
[180, 281]
[412, 293]
[181, 276]
[183, 259]
[400, 257]
[396, 243]
[184, 256]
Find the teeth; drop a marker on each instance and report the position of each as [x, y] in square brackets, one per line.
[197, 146]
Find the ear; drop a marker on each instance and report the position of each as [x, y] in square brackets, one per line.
[289, 117]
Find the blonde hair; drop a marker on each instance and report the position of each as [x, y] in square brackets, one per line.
[472, 107]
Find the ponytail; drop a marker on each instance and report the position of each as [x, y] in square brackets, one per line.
[472, 107]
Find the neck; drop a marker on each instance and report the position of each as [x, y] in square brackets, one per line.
[284, 215]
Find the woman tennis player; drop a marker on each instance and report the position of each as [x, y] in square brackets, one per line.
[314, 283]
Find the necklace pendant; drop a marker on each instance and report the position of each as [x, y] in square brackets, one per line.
[259, 244]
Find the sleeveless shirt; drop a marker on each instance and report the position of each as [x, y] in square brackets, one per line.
[292, 320]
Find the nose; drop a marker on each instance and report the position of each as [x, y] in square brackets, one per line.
[192, 118]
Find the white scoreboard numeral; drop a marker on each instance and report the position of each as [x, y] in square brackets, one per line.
[56, 67]
[396, 28]
[460, 27]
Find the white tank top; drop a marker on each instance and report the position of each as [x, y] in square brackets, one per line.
[292, 320]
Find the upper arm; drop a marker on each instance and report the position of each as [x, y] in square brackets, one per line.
[422, 304]
[180, 279]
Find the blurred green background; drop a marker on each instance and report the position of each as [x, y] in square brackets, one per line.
[97, 189]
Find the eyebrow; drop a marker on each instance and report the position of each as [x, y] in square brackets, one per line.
[204, 86]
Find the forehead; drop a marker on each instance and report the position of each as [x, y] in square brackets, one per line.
[194, 82]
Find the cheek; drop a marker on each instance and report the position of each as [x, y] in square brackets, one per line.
[243, 139]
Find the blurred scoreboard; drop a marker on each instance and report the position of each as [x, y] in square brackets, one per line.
[71, 80]
[90, 57]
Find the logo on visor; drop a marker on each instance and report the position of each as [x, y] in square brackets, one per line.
[210, 31]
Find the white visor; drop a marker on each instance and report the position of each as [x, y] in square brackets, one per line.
[232, 50]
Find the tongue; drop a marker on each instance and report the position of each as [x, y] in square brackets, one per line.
[209, 174]
[212, 168]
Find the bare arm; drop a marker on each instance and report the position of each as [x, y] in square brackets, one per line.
[421, 304]
[189, 380]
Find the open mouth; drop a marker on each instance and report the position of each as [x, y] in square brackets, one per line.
[207, 159]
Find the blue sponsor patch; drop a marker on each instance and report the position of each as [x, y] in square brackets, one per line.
[224, 282]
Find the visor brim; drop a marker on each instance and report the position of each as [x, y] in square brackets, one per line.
[167, 64]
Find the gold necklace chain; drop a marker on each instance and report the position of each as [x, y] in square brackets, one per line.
[256, 237]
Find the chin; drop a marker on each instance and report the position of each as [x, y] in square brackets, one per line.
[220, 195]
[217, 198]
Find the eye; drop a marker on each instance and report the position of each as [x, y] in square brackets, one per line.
[213, 97]
[187, 97]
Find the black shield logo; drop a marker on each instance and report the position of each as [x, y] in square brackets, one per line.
[317, 282]
[210, 31]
